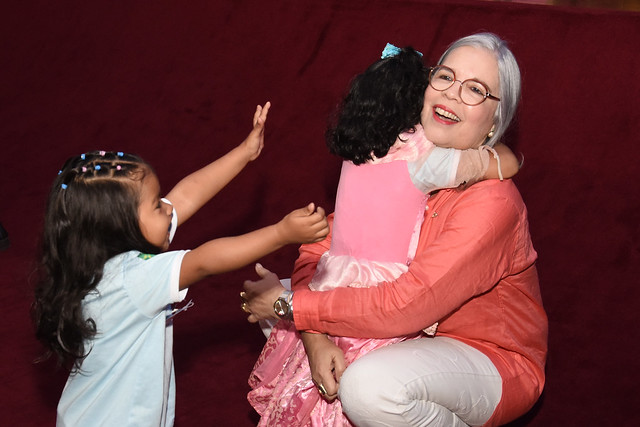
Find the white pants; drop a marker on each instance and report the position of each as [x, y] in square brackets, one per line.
[423, 382]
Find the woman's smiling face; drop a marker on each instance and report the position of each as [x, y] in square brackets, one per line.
[447, 121]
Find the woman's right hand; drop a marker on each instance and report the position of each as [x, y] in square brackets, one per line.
[259, 296]
[326, 361]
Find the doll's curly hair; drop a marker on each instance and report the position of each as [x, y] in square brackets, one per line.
[383, 102]
[91, 216]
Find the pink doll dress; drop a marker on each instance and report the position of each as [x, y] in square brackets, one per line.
[379, 212]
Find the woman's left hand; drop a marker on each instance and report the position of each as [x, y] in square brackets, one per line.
[326, 361]
[259, 296]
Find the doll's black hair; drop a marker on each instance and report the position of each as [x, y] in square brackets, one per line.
[383, 102]
[91, 216]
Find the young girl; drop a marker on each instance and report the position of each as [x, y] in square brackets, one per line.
[104, 301]
[388, 171]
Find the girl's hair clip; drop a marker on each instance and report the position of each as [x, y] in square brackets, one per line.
[102, 153]
[64, 186]
[98, 167]
[120, 154]
[83, 156]
[391, 50]
[118, 167]
[84, 169]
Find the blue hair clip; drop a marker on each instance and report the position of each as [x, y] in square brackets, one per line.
[391, 50]
[64, 186]
[82, 156]
[120, 154]
[97, 167]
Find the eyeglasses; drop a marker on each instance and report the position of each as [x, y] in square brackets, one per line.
[472, 92]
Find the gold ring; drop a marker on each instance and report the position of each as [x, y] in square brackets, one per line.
[243, 295]
[322, 390]
[244, 307]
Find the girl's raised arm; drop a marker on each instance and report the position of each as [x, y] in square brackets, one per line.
[196, 189]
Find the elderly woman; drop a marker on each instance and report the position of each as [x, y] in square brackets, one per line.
[474, 273]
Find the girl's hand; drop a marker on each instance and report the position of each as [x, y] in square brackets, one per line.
[326, 361]
[259, 296]
[304, 225]
[255, 141]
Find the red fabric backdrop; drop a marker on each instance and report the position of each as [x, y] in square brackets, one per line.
[177, 82]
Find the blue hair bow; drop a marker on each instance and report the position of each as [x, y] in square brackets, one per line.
[391, 50]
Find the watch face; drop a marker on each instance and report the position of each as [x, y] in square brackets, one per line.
[281, 307]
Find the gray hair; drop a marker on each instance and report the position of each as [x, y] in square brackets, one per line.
[508, 74]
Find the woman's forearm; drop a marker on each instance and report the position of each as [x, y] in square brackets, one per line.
[464, 259]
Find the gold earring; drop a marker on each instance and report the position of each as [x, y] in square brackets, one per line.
[490, 134]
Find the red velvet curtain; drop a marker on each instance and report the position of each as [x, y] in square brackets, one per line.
[177, 83]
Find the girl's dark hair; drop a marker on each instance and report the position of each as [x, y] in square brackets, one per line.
[91, 216]
[382, 102]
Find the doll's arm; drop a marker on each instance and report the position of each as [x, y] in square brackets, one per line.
[196, 189]
[509, 164]
[477, 164]
[304, 225]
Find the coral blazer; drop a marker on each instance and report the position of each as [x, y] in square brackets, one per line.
[474, 273]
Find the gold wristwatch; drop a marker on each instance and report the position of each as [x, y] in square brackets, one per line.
[283, 306]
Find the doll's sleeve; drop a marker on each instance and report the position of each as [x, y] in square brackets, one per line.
[435, 171]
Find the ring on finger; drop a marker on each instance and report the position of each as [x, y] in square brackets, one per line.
[243, 296]
[322, 390]
[244, 307]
